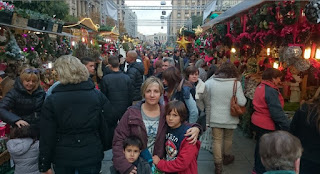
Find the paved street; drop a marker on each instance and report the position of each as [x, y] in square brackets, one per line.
[243, 149]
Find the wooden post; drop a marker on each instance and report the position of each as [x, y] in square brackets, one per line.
[304, 88]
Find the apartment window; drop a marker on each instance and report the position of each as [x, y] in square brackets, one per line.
[198, 13]
[179, 15]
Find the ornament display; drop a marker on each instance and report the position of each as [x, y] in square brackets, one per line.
[291, 55]
[312, 11]
[183, 43]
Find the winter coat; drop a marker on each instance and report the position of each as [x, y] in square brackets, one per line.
[146, 65]
[18, 104]
[135, 72]
[130, 124]
[70, 126]
[143, 167]
[117, 87]
[218, 98]
[186, 94]
[307, 132]
[186, 161]
[201, 92]
[25, 153]
[268, 105]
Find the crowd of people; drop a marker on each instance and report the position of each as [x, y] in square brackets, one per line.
[150, 110]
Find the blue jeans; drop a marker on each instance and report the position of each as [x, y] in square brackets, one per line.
[93, 169]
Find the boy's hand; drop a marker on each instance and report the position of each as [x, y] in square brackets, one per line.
[155, 159]
[134, 171]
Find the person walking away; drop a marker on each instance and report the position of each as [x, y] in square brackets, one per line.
[268, 114]
[21, 106]
[219, 119]
[306, 126]
[23, 147]
[74, 122]
[135, 72]
[181, 156]
[280, 153]
[117, 87]
[132, 147]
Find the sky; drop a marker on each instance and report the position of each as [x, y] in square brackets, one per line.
[148, 15]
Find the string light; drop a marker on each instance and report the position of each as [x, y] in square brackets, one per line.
[233, 50]
[307, 53]
[276, 65]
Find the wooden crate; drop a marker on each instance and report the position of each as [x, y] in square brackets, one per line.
[55, 27]
[19, 21]
[4, 157]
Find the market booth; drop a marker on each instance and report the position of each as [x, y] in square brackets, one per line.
[255, 35]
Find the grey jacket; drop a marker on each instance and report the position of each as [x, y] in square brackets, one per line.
[24, 152]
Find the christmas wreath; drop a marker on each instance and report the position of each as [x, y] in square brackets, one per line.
[312, 12]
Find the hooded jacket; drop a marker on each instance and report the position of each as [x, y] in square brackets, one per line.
[135, 72]
[25, 153]
[268, 105]
[131, 123]
[70, 126]
[186, 161]
[218, 98]
[18, 104]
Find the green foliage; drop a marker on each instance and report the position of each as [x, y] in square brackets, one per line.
[105, 28]
[13, 51]
[196, 20]
[71, 19]
[58, 8]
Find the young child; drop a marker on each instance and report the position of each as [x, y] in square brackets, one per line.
[24, 150]
[181, 155]
[132, 146]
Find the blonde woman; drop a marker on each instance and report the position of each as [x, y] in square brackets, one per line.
[21, 106]
[70, 136]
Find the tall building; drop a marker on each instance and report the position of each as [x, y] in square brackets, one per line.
[85, 8]
[120, 11]
[131, 22]
[181, 17]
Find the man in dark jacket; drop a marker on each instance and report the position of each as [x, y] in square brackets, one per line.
[135, 72]
[117, 87]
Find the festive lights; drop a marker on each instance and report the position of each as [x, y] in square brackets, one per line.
[233, 50]
[317, 56]
[276, 65]
[268, 51]
[307, 53]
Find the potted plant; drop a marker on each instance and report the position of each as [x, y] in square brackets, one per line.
[60, 25]
[48, 22]
[6, 12]
[34, 19]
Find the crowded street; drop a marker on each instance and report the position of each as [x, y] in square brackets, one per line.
[160, 87]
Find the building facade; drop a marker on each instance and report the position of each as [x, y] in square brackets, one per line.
[130, 22]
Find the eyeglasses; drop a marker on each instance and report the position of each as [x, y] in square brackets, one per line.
[29, 71]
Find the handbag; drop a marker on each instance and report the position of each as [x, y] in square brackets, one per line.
[235, 109]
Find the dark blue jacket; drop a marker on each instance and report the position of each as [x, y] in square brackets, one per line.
[135, 72]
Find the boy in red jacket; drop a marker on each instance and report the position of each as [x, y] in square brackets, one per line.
[181, 156]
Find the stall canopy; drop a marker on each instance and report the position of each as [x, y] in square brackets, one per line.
[85, 22]
[239, 8]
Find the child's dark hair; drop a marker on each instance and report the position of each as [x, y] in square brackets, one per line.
[132, 141]
[180, 107]
[23, 132]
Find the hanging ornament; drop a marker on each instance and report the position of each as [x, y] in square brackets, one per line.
[312, 11]
[291, 55]
[198, 30]
[183, 43]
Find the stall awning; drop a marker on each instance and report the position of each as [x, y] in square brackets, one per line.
[239, 8]
[86, 22]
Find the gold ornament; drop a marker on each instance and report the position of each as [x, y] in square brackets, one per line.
[183, 43]
[198, 30]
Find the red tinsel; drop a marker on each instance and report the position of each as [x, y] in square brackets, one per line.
[316, 66]
[288, 77]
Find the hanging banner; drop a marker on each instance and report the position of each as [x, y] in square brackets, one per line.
[210, 8]
[111, 9]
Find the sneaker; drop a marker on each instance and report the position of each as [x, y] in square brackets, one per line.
[228, 159]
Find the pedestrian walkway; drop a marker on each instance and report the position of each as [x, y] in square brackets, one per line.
[243, 149]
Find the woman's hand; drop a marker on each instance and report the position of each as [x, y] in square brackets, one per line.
[134, 170]
[48, 172]
[193, 133]
[155, 159]
[21, 123]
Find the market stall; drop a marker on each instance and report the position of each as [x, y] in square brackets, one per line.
[255, 35]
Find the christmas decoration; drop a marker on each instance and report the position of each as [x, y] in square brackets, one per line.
[12, 50]
[183, 43]
[312, 11]
[198, 30]
[291, 55]
[4, 36]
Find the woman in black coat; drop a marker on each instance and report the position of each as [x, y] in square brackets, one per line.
[71, 122]
[21, 106]
[306, 126]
